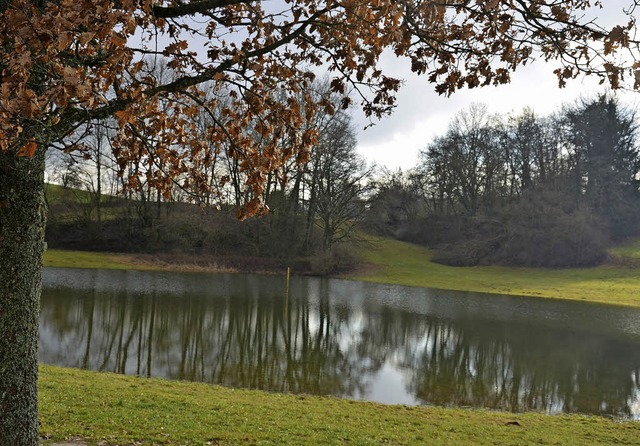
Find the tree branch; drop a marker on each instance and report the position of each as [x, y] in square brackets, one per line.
[187, 9]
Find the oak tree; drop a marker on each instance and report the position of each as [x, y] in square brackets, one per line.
[66, 62]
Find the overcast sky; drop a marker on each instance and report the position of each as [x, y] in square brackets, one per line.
[421, 114]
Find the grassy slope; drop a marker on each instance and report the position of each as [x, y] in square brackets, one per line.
[403, 263]
[117, 410]
[84, 259]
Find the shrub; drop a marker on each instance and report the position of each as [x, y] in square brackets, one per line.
[339, 259]
[545, 228]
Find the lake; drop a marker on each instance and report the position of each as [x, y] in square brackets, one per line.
[384, 343]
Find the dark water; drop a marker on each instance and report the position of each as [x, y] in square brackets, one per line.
[357, 340]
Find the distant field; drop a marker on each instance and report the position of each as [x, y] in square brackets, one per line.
[86, 259]
[629, 250]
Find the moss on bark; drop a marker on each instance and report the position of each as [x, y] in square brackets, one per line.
[22, 224]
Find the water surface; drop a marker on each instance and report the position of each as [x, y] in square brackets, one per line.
[358, 340]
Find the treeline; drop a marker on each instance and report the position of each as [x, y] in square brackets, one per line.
[313, 207]
[525, 190]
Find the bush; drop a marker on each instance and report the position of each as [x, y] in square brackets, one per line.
[543, 229]
[469, 243]
[436, 230]
[548, 230]
[338, 260]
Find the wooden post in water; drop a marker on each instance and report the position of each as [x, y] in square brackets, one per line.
[286, 295]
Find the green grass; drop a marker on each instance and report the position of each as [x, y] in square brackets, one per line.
[402, 263]
[72, 205]
[109, 409]
[629, 250]
[86, 259]
[56, 194]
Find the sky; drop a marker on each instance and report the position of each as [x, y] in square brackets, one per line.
[421, 114]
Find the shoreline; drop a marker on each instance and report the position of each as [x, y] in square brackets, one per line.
[616, 282]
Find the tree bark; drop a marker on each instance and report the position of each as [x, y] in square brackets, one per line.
[22, 224]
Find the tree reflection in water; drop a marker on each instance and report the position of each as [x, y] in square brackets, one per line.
[337, 337]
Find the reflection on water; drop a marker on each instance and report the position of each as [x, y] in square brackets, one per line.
[366, 341]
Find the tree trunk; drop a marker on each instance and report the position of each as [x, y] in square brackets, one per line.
[22, 224]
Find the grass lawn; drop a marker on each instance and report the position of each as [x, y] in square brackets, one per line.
[86, 259]
[108, 409]
[629, 250]
[396, 262]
